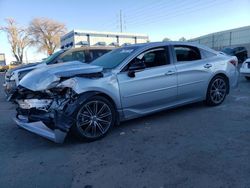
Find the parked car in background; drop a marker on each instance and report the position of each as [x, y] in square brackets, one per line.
[126, 83]
[126, 44]
[14, 64]
[245, 69]
[3, 67]
[239, 52]
[82, 54]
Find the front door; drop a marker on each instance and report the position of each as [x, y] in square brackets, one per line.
[152, 88]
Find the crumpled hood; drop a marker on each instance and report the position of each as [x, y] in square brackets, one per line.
[42, 78]
[23, 67]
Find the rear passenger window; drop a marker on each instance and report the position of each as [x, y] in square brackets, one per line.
[187, 53]
[79, 56]
[94, 54]
[207, 54]
[74, 56]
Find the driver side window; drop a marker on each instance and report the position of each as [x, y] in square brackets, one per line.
[152, 58]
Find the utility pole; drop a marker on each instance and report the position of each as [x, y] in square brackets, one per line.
[121, 22]
[26, 57]
[230, 38]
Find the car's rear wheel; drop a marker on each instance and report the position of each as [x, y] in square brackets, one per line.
[94, 118]
[217, 91]
[247, 77]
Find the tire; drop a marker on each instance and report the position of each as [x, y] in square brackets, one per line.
[247, 77]
[217, 91]
[94, 119]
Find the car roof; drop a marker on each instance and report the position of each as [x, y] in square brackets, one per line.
[143, 45]
[91, 48]
[170, 43]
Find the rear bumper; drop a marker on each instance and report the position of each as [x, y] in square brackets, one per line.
[40, 129]
[234, 79]
[245, 72]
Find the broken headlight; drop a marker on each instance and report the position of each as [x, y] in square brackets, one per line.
[70, 83]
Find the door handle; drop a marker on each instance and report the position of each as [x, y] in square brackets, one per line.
[169, 73]
[207, 66]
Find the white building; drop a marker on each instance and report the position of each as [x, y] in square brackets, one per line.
[77, 38]
[239, 37]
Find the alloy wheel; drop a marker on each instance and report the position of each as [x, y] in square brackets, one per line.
[94, 119]
[218, 90]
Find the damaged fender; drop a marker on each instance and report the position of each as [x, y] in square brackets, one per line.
[64, 119]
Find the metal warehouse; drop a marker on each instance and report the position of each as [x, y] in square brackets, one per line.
[77, 38]
[239, 37]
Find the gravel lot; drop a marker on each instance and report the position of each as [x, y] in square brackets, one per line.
[192, 146]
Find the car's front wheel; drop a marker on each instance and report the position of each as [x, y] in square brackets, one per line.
[217, 91]
[247, 77]
[94, 118]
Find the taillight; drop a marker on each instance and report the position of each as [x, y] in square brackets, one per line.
[234, 62]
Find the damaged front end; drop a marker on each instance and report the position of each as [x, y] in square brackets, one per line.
[48, 113]
[46, 101]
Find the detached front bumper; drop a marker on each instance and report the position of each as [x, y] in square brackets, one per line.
[41, 129]
[45, 117]
[51, 118]
[234, 79]
[34, 116]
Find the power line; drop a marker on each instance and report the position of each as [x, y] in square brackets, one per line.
[121, 19]
[178, 13]
[141, 8]
[107, 24]
[185, 6]
[132, 20]
[143, 12]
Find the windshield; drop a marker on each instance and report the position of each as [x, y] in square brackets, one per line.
[51, 58]
[114, 58]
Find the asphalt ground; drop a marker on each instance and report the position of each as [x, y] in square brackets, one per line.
[191, 146]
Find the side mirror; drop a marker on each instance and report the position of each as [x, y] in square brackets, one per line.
[136, 66]
[59, 61]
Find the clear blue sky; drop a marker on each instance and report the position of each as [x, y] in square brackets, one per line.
[157, 18]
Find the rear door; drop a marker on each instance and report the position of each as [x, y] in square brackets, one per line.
[193, 72]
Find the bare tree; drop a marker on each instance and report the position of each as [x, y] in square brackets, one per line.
[166, 39]
[183, 39]
[46, 34]
[18, 38]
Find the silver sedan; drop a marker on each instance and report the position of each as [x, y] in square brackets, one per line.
[125, 83]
